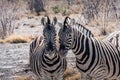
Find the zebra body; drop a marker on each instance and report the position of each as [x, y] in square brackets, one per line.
[45, 60]
[94, 58]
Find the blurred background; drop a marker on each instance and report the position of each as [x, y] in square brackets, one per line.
[103, 14]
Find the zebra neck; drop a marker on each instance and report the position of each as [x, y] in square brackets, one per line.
[81, 46]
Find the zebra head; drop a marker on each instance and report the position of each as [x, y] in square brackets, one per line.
[66, 36]
[49, 34]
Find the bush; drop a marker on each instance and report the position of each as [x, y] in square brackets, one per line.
[8, 12]
[63, 10]
[36, 5]
[56, 9]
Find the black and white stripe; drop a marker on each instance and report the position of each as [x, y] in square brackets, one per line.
[45, 61]
[83, 29]
[113, 38]
[94, 58]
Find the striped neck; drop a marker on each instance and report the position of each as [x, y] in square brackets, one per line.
[84, 30]
[80, 44]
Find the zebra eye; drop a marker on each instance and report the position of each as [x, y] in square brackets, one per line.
[70, 35]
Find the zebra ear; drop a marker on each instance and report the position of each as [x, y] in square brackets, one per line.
[43, 21]
[66, 22]
[48, 20]
[54, 21]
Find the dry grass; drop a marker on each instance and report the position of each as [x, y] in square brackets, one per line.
[24, 78]
[17, 39]
[104, 27]
[2, 41]
[72, 74]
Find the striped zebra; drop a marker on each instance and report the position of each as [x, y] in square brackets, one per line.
[45, 60]
[114, 38]
[95, 59]
[84, 30]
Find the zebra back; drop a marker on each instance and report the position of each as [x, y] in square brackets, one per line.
[113, 38]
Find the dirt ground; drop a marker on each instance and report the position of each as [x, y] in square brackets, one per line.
[14, 60]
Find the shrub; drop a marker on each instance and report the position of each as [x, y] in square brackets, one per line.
[8, 12]
[56, 9]
[36, 5]
[63, 10]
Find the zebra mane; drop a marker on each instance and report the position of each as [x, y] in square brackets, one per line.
[80, 25]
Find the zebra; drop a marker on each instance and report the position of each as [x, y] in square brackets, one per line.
[45, 60]
[113, 38]
[95, 58]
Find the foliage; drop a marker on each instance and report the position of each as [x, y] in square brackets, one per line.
[56, 9]
[36, 5]
[63, 10]
[8, 13]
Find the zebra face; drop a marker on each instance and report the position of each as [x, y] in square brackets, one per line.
[65, 36]
[49, 33]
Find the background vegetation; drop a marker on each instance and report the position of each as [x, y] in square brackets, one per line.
[100, 12]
